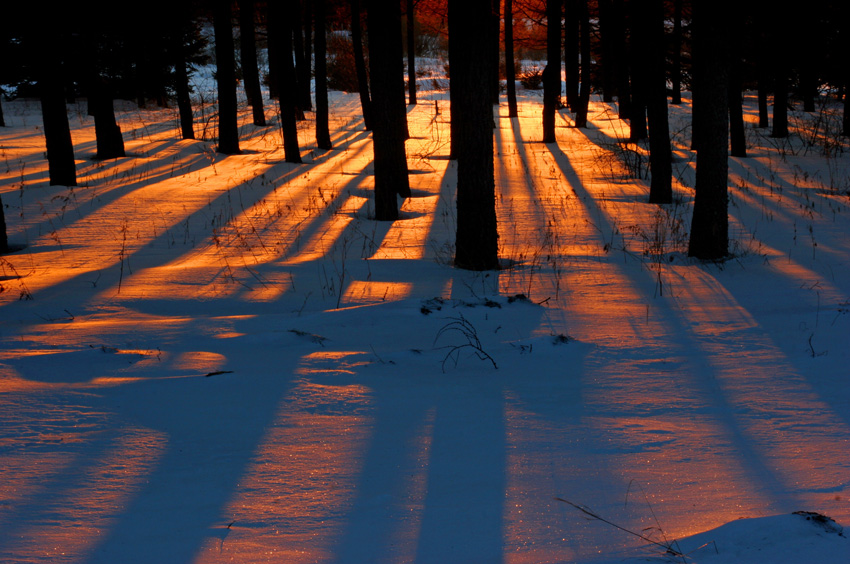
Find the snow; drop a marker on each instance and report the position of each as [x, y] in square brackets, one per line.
[224, 359]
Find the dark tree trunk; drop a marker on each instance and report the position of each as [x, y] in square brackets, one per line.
[360, 64]
[660, 153]
[476, 245]
[764, 113]
[181, 84]
[495, 29]
[676, 54]
[709, 239]
[110, 144]
[57, 132]
[411, 54]
[572, 36]
[510, 71]
[637, 70]
[2, 117]
[388, 132]
[323, 136]
[250, 70]
[808, 87]
[624, 93]
[737, 134]
[228, 126]
[584, 95]
[279, 29]
[608, 53]
[304, 102]
[780, 104]
[552, 72]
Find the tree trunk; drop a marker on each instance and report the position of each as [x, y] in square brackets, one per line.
[552, 72]
[181, 82]
[304, 101]
[676, 55]
[608, 53]
[660, 153]
[764, 114]
[572, 36]
[411, 55]
[495, 30]
[388, 133]
[2, 117]
[637, 70]
[360, 64]
[584, 95]
[228, 126]
[279, 30]
[780, 104]
[709, 239]
[250, 70]
[624, 93]
[737, 133]
[510, 71]
[323, 136]
[476, 245]
[57, 132]
[110, 144]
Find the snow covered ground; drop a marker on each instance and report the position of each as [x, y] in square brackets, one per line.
[224, 359]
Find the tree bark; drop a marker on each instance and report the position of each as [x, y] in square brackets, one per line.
[737, 133]
[552, 72]
[181, 79]
[709, 239]
[476, 245]
[660, 152]
[323, 136]
[584, 94]
[572, 35]
[250, 69]
[283, 73]
[110, 143]
[780, 103]
[607, 51]
[360, 65]
[676, 55]
[57, 131]
[389, 127]
[304, 101]
[624, 93]
[510, 71]
[228, 126]
[411, 54]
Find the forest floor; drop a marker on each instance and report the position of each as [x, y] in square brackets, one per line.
[209, 358]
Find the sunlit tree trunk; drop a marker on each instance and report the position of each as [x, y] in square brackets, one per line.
[228, 126]
[283, 73]
[709, 239]
[660, 153]
[510, 71]
[552, 72]
[250, 70]
[323, 136]
[360, 64]
[583, 103]
[411, 54]
[388, 111]
[476, 245]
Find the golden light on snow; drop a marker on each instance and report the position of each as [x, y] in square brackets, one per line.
[688, 404]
